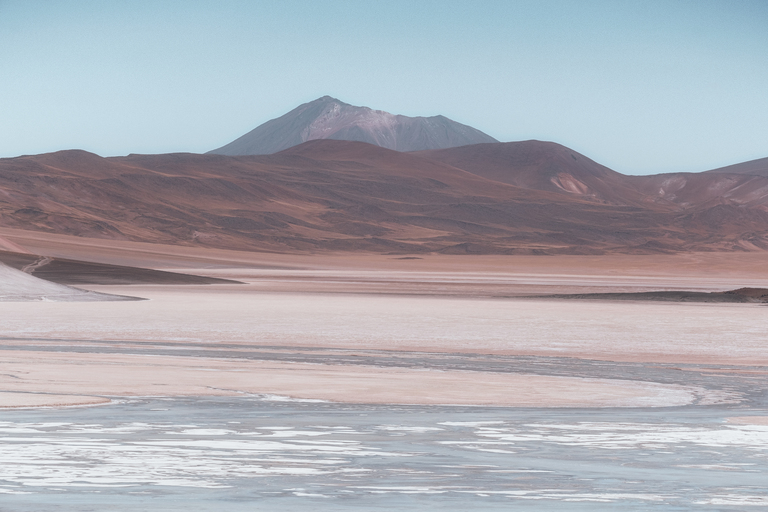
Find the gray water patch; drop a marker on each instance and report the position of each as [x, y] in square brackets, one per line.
[249, 453]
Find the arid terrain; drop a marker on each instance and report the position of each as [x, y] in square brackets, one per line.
[520, 265]
[338, 322]
[340, 304]
[340, 379]
[530, 197]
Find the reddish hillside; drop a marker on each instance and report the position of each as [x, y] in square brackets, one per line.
[337, 195]
[701, 190]
[757, 167]
[541, 166]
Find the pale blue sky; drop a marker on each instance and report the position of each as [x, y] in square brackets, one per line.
[642, 87]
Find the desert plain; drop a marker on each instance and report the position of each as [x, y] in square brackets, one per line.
[469, 341]
[320, 309]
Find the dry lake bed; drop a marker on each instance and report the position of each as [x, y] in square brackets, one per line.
[376, 384]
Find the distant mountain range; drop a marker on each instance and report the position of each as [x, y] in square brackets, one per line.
[526, 197]
[329, 118]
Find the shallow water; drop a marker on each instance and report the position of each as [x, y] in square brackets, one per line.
[256, 453]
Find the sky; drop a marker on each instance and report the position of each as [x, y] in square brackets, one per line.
[640, 86]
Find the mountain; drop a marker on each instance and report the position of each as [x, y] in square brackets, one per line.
[543, 166]
[555, 168]
[757, 167]
[528, 197]
[329, 118]
[705, 189]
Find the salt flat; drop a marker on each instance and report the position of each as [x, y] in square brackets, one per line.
[314, 337]
[48, 346]
[393, 305]
[642, 331]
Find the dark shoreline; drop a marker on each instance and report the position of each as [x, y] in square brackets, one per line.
[740, 296]
[76, 272]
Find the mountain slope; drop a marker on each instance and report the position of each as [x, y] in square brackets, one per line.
[757, 167]
[329, 195]
[329, 118]
[705, 189]
[545, 166]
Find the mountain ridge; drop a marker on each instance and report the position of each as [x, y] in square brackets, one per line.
[758, 167]
[329, 118]
[330, 195]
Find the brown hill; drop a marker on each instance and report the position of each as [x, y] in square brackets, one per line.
[757, 167]
[541, 165]
[326, 195]
[699, 190]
